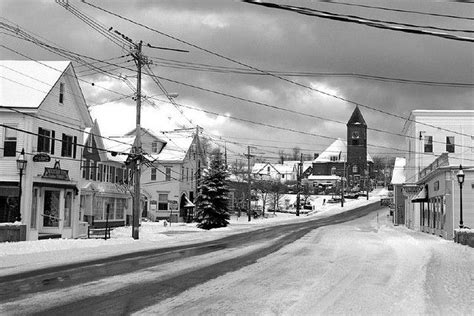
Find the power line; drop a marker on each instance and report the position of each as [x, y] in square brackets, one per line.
[321, 118]
[243, 71]
[62, 125]
[367, 22]
[58, 51]
[80, 79]
[260, 103]
[262, 71]
[274, 107]
[171, 100]
[280, 127]
[401, 10]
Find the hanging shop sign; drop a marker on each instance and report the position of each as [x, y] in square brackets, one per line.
[41, 157]
[56, 172]
[173, 205]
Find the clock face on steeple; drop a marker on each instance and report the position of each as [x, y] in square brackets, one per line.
[355, 135]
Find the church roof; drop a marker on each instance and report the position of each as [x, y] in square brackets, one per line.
[336, 152]
[357, 118]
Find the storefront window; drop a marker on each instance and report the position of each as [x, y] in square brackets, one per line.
[98, 208]
[34, 208]
[67, 209]
[8, 204]
[119, 208]
[110, 202]
[51, 208]
[443, 211]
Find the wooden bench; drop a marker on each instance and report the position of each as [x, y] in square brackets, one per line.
[98, 232]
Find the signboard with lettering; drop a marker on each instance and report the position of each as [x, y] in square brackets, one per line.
[56, 172]
[173, 205]
[41, 157]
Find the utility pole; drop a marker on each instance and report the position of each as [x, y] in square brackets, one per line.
[298, 185]
[138, 144]
[249, 188]
[225, 155]
[342, 184]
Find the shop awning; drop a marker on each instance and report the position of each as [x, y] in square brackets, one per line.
[421, 197]
[188, 203]
[60, 185]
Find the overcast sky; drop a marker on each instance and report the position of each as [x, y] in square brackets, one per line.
[266, 39]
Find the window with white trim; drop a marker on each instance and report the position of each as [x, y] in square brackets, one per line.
[428, 144]
[67, 145]
[163, 201]
[9, 142]
[45, 141]
[450, 144]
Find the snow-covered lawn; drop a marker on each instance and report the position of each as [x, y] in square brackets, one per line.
[28, 255]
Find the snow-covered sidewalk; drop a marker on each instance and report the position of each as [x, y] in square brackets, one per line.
[29, 255]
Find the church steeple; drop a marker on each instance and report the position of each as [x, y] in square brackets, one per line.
[357, 145]
[356, 118]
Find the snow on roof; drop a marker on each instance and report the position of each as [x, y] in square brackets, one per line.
[86, 134]
[25, 83]
[324, 177]
[337, 149]
[398, 176]
[285, 168]
[307, 164]
[119, 145]
[178, 143]
[260, 166]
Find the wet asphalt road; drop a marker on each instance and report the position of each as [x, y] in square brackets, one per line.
[134, 297]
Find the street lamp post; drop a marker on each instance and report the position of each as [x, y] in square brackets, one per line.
[21, 165]
[460, 176]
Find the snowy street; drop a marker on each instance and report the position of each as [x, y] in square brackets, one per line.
[362, 267]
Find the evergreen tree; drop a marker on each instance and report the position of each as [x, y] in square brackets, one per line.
[211, 205]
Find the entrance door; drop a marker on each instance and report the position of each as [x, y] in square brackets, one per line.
[51, 209]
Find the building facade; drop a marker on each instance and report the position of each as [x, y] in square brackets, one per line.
[429, 134]
[398, 179]
[440, 198]
[44, 114]
[348, 159]
[105, 195]
[171, 177]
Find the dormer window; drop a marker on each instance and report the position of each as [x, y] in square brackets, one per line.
[154, 147]
[61, 92]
